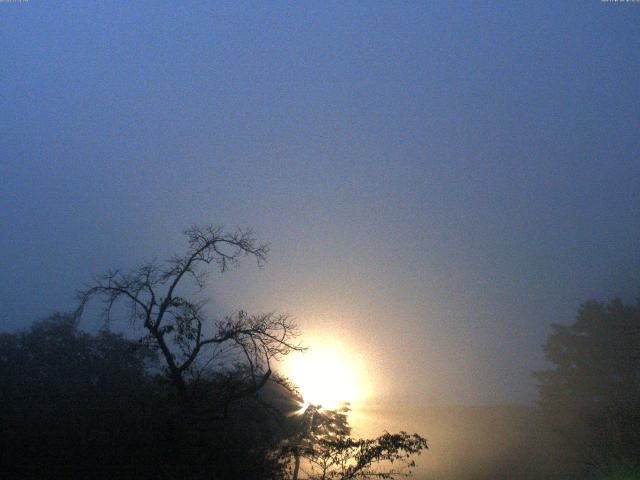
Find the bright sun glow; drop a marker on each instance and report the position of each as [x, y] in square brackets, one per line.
[326, 376]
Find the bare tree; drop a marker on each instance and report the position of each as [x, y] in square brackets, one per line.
[164, 298]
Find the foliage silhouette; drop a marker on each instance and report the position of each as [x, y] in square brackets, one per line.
[325, 449]
[592, 394]
[78, 406]
[67, 396]
[194, 398]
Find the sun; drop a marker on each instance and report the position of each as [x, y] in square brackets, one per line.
[326, 376]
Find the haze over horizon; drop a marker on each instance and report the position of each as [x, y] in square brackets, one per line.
[439, 182]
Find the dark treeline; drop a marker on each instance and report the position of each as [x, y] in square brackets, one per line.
[196, 398]
[84, 406]
[76, 405]
[81, 405]
[193, 398]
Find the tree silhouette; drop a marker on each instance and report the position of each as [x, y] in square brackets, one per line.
[327, 451]
[77, 405]
[592, 394]
[165, 299]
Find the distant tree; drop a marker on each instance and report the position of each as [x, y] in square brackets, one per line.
[325, 449]
[592, 394]
[165, 298]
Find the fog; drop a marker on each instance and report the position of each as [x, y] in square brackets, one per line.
[475, 442]
[438, 184]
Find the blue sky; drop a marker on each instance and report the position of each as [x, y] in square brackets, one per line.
[440, 181]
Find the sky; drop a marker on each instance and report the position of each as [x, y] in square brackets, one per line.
[439, 181]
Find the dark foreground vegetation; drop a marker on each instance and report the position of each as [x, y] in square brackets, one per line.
[77, 405]
[197, 399]
[193, 398]
[82, 406]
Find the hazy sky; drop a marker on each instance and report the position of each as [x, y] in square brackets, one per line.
[440, 181]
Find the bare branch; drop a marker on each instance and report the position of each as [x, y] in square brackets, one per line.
[158, 296]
